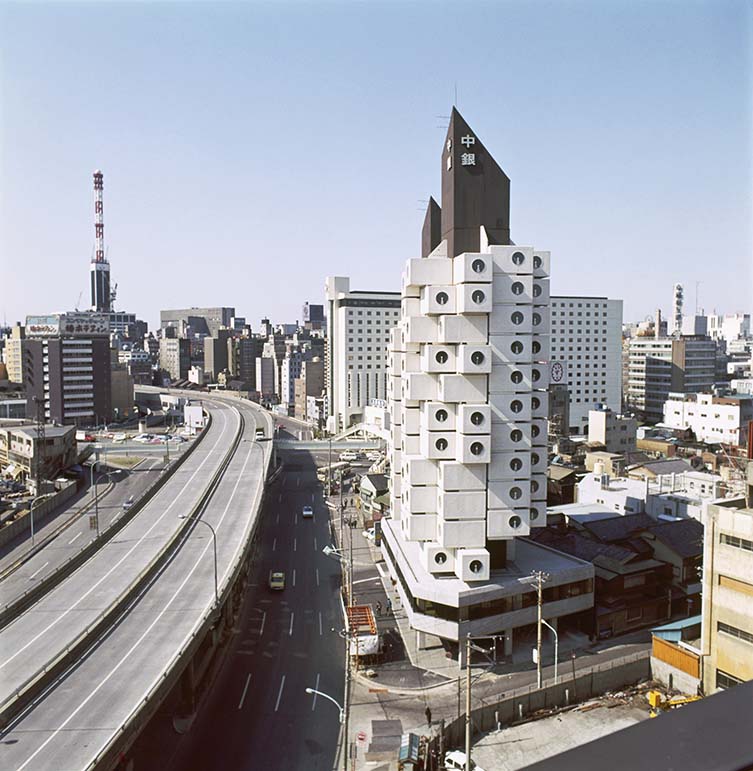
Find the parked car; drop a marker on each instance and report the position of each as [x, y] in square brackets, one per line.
[120, 437]
[348, 455]
[145, 438]
[369, 533]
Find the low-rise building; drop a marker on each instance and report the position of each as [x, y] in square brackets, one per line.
[616, 432]
[175, 357]
[727, 635]
[713, 419]
[24, 457]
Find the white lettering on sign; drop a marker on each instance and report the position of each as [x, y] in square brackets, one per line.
[468, 140]
[449, 145]
[468, 159]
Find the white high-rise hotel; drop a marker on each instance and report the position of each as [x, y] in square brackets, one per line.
[468, 398]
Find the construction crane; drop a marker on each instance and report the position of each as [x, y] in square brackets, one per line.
[658, 703]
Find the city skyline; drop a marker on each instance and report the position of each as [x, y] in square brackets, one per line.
[609, 147]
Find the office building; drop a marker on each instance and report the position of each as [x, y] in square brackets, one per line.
[586, 354]
[660, 365]
[204, 322]
[313, 317]
[265, 378]
[67, 367]
[616, 432]
[468, 408]
[309, 385]
[290, 369]
[729, 327]
[242, 355]
[727, 628]
[14, 354]
[175, 357]
[359, 324]
[712, 419]
[216, 353]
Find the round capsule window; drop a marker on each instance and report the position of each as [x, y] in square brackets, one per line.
[515, 493]
[516, 405]
[534, 458]
[442, 298]
[536, 261]
[515, 522]
[535, 430]
[535, 402]
[478, 266]
[535, 375]
[516, 435]
[477, 357]
[441, 357]
[516, 464]
[440, 558]
[517, 318]
[516, 376]
[477, 418]
[534, 514]
[441, 415]
[518, 258]
[536, 319]
[517, 347]
[441, 443]
[476, 566]
[534, 486]
[536, 290]
[477, 448]
[517, 288]
[536, 346]
[478, 296]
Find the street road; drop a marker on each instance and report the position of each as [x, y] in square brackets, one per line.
[257, 715]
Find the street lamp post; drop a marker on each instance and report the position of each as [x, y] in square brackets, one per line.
[556, 646]
[538, 577]
[95, 490]
[31, 515]
[327, 696]
[214, 544]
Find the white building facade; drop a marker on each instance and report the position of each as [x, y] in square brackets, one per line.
[586, 353]
[712, 418]
[359, 326]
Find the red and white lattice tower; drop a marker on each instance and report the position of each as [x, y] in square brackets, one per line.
[100, 268]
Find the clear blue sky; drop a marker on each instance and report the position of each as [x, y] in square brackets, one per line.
[250, 150]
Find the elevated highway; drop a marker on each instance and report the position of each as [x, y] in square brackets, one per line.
[84, 668]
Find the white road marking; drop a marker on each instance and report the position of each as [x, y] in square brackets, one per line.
[277, 519]
[315, 547]
[316, 688]
[263, 621]
[290, 630]
[320, 633]
[317, 576]
[39, 570]
[312, 497]
[295, 519]
[243, 695]
[293, 576]
[279, 498]
[298, 482]
[274, 544]
[78, 535]
[279, 695]
[295, 544]
[106, 575]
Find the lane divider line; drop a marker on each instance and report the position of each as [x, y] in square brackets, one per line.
[245, 689]
[279, 695]
[316, 688]
[290, 630]
[39, 570]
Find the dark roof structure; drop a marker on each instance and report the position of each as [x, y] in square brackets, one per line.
[713, 733]
[618, 528]
[475, 194]
[685, 536]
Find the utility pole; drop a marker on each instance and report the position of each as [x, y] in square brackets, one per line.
[346, 699]
[468, 703]
[539, 577]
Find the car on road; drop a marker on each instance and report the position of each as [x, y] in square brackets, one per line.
[455, 761]
[276, 580]
[369, 533]
[374, 455]
[128, 504]
[259, 434]
[307, 512]
[348, 455]
[119, 437]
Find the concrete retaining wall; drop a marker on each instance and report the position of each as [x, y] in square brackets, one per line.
[521, 704]
[41, 514]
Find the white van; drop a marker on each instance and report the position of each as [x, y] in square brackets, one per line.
[455, 761]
